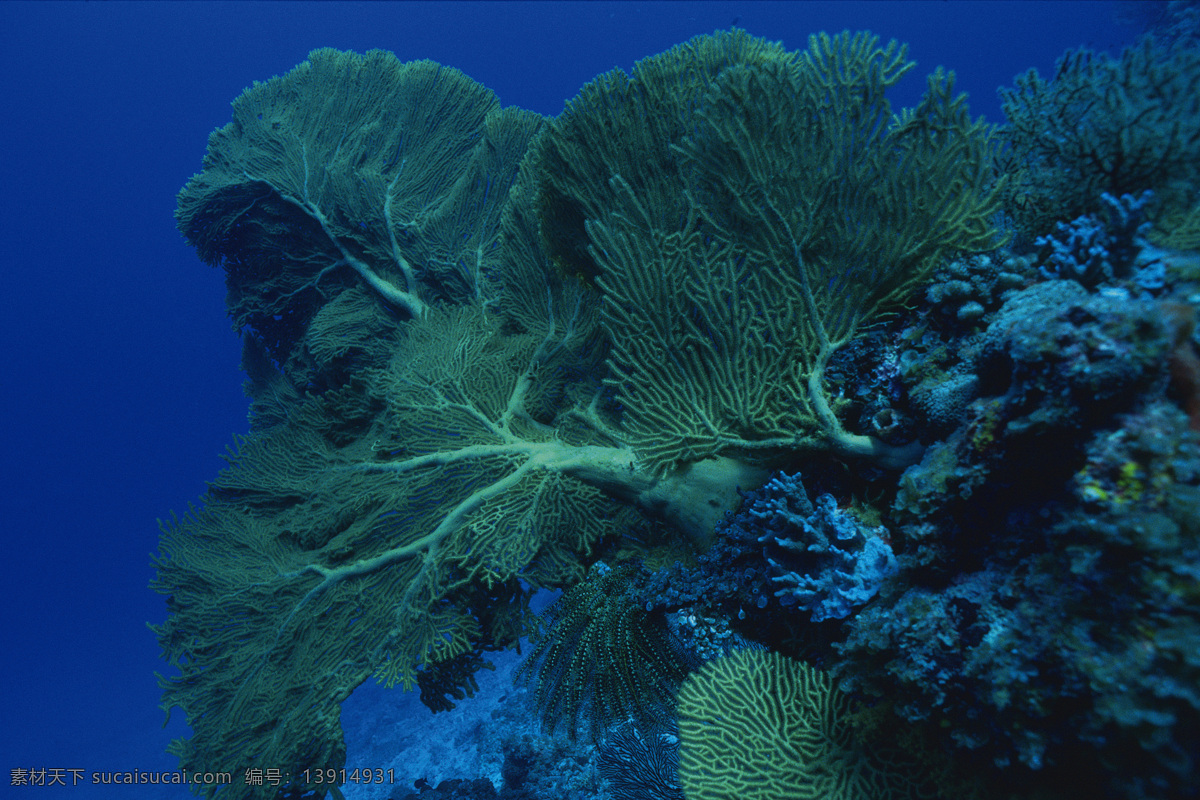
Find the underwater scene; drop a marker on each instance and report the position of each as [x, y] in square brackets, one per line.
[770, 421]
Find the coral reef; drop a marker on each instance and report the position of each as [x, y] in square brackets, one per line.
[490, 354]
[1016, 614]
[461, 394]
[1066, 644]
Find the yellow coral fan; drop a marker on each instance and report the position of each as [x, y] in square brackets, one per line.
[757, 725]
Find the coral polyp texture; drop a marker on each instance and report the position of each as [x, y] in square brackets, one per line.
[490, 353]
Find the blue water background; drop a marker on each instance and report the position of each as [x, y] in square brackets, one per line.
[119, 385]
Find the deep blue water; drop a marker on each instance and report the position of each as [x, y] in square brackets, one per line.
[120, 385]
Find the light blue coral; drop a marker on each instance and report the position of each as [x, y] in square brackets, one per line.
[822, 559]
[1093, 251]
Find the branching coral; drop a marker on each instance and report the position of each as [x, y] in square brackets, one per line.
[1091, 251]
[822, 559]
